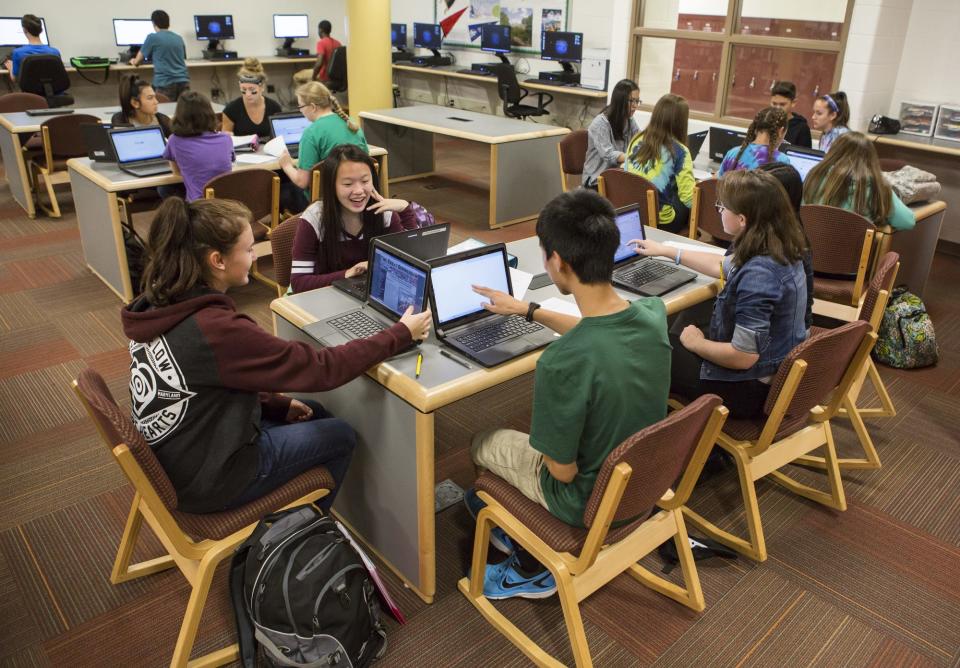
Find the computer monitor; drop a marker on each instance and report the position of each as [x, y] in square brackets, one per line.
[566, 47]
[398, 35]
[427, 35]
[291, 26]
[722, 140]
[495, 38]
[213, 27]
[131, 32]
[11, 32]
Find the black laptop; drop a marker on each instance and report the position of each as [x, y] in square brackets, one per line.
[139, 151]
[459, 317]
[99, 148]
[290, 126]
[424, 244]
[695, 142]
[643, 275]
[722, 140]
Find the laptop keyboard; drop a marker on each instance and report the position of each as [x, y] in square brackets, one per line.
[497, 333]
[357, 325]
[647, 271]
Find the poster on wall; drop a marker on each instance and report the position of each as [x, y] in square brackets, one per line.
[462, 20]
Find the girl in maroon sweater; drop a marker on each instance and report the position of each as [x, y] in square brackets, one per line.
[334, 234]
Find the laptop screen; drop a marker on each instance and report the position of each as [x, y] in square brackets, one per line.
[396, 284]
[289, 127]
[139, 144]
[695, 143]
[802, 161]
[452, 283]
[628, 222]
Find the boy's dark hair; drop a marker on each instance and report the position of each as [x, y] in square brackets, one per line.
[786, 89]
[194, 115]
[325, 27]
[578, 226]
[32, 24]
[160, 19]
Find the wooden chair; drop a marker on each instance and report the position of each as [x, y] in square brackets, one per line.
[842, 242]
[704, 216]
[259, 189]
[161, 98]
[12, 102]
[62, 140]
[636, 476]
[808, 390]
[195, 544]
[573, 154]
[623, 189]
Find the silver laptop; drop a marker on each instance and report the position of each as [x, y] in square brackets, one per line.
[643, 275]
[802, 159]
[289, 126]
[139, 151]
[395, 280]
[459, 317]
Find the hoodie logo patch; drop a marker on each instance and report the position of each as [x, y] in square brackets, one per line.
[158, 391]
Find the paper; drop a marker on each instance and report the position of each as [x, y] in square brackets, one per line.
[243, 140]
[520, 280]
[375, 576]
[275, 147]
[466, 244]
[561, 306]
[254, 158]
[679, 245]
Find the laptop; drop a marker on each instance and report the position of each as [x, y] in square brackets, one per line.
[99, 148]
[424, 244]
[139, 151]
[643, 275]
[802, 159]
[695, 143]
[459, 318]
[289, 126]
[395, 281]
[722, 140]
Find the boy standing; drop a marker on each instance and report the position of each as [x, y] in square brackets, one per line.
[784, 96]
[606, 378]
[168, 53]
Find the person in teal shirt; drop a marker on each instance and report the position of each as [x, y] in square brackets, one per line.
[168, 53]
[849, 177]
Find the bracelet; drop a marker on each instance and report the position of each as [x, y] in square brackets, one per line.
[676, 260]
[530, 309]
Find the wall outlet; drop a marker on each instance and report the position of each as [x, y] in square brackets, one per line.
[215, 93]
[450, 102]
[271, 88]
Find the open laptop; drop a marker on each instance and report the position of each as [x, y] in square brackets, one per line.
[139, 151]
[722, 140]
[802, 159]
[99, 148]
[424, 244]
[395, 281]
[289, 126]
[459, 317]
[643, 275]
[695, 142]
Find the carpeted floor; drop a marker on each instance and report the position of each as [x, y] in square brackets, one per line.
[878, 585]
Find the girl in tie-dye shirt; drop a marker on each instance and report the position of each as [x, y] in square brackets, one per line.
[764, 135]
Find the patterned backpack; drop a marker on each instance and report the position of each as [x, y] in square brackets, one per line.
[906, 339]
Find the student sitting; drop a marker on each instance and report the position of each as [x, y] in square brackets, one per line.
[196, 149]
[764, 135]
[850, 177]
[250, 113]
[329, 126]
[32, 29]
[606, 378]
[611, 131]
[138, 105]
[168, 53]
[660, 155]
[759, 315]
[220, 433]
[784, 95]
[831, 114]
[333, 236]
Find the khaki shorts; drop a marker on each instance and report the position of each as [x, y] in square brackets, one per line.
[508, 454]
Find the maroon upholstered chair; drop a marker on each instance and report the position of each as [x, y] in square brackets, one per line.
[623, 189]
[12, 102]
[704, 216]
[573, 153]
[841, 242]
[62, 140]
[281, 238]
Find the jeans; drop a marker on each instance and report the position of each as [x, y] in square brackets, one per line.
[287, 449]
[174, 90]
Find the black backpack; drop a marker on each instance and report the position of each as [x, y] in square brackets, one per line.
[304, 592]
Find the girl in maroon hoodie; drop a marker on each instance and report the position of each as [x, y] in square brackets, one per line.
[203, 377]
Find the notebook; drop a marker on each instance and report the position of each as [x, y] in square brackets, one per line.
[139, 151]
[290, 127]
[643, 275]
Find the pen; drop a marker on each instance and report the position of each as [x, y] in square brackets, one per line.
[455, 359]
[419, 363]
[722, 281]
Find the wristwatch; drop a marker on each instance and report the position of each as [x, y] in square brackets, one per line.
[530, 309]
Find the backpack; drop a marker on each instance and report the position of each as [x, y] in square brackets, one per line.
[303, 590]
[906, 339]
[136, 256]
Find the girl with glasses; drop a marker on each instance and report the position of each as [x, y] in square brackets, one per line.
[611, 131]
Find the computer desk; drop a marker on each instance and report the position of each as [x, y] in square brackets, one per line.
[454, 73]
[520, 153]
[388, 496]
[96, 186]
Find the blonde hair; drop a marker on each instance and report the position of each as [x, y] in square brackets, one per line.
[252, 72]
[316, 93]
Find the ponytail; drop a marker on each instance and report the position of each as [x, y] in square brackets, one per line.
[181, 236]
[769, 120]
[338, 110]
[130, 88]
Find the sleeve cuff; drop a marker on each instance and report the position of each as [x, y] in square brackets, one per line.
[745, 340]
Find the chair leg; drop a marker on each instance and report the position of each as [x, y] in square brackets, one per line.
[54, 209]
[573, 620]
[692, 596]
[886, 409]
[835, 498]
[122, 569]
[870, 459]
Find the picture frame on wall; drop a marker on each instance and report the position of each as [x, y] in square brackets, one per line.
[527, 19]
[948, 123]
[918, 118]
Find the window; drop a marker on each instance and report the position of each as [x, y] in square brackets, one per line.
[724, 56]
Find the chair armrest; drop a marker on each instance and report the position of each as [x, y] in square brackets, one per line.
[540, 103]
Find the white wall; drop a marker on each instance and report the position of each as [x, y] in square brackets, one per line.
[928, 66]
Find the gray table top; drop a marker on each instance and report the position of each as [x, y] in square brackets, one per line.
[21, 121]
[486, 128]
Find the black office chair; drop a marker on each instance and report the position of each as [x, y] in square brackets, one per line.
[46, 76]
[337, 70]
[512, 93]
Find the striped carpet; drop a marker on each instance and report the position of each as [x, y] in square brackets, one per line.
[878, 585]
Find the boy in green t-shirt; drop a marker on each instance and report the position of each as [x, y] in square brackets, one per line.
[606, 378]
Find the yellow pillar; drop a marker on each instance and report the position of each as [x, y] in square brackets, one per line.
[369, 73]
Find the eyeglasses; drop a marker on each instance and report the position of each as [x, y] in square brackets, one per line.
[301, 106]
[720, 207]
[634, 101]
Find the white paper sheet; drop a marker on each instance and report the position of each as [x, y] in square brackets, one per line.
[561, 306]
[275, 147]
[716, 250]
[520, 280]
[254, 158]
[466, 244]
[243, 140]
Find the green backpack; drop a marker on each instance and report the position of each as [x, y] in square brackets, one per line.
[906, 339]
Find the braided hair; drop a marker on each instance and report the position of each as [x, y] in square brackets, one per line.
[769, 120]
[316, 93]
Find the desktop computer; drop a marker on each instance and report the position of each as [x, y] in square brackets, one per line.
[289, 27]
[11, 32]
[564, 47]
[131, 33]
[212, 28]
[398, 40]
[493, 39]
[428, 36]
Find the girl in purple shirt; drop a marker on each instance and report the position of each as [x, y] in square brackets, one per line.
[198, 152]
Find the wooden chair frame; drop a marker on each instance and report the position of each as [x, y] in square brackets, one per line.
[597, 564]
[50, 176]
[197, 560]
[764, 456]
[653, 214]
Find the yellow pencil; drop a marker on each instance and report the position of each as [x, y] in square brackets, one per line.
[722, 281]
[419, 363]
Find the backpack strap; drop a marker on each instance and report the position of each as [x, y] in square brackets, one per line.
[248, 646]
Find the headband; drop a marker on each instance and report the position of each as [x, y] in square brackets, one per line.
[831, 103]
[251, 78]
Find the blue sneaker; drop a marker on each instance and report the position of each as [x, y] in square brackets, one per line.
[498, 537]
[504, 580]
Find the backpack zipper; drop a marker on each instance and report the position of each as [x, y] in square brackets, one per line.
[272, 557]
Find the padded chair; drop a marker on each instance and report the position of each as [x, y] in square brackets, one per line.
[573, 153]
[161, 98]
[807, 392]
[47, 77]
[281, 239]
[62, 140]
[195, 544]
[636, 476]
[337, 70]
[512, 94]
[704, 216]
[259, 189]
[623, 189]
[12, 102]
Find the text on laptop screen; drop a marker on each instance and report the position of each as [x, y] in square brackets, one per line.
[803, 162]
[136, 145]
[453, 283]
[630, 228]
[290, 128]
[396, 284]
